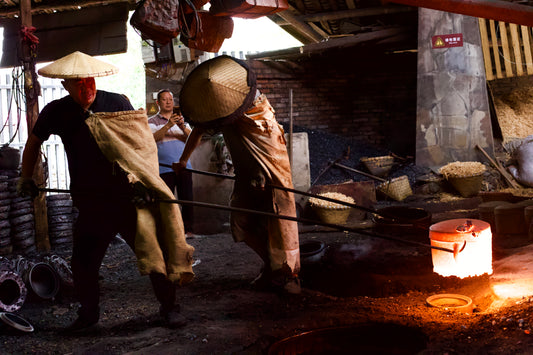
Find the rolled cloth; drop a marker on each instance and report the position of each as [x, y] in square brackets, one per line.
[160, 246]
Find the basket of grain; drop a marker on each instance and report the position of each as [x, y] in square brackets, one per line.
[331, 212]
[379, 166]
[466, 177]
[397, 188]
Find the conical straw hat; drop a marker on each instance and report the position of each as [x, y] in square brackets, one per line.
[217, 91]
[77, 65]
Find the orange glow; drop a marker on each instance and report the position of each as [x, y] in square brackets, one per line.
[472, 242]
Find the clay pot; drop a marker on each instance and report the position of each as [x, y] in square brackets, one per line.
[312, 251]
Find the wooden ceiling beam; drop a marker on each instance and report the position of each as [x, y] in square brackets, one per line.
[339, 15]
[498, 10]
[336, 43]
[38, 9]
[301, 27]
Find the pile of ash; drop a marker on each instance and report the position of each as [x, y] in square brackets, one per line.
[325, 148]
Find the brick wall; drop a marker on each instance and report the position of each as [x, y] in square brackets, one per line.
[362, 95]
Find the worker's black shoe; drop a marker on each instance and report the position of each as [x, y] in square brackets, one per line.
[278, 282]
[172, 317]
[286, 282]
[292, 286]
[81, 326]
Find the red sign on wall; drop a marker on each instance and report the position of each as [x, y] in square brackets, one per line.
[447, 41]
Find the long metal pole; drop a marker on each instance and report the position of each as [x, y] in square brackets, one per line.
[290, 218]
[304, 220]
[353, 205]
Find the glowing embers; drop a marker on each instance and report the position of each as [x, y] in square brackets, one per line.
[471, 243]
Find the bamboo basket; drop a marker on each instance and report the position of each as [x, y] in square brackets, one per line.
[467, 186]
[379, 166]
[332, 215]
[331, 212]
[397, 188]
[465, 177]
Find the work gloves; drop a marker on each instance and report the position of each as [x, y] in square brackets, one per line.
[142, 196]
[26, 187]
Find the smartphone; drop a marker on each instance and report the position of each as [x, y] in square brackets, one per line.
[176, 110]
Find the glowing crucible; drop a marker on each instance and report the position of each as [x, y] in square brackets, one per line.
[471, 241]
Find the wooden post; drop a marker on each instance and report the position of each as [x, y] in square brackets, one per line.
[290, 129]
[32, 91]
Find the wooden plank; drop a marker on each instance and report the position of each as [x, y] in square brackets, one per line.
[505, 48]
[355, 13]
[508, 178]
[301, 27]
[516, 49]
[528, 55]
[53, 7]
[496, 49]
[344, 42]
[501, 10]
[486, 48]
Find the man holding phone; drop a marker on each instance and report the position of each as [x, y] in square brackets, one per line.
[170, 133]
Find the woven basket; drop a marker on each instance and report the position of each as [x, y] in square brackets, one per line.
[332, 215]
[379, 166]
[467, 186]
[397, 188]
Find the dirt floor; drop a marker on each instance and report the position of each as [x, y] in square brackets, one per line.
[364, 295]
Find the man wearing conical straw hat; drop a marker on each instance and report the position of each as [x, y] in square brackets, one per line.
[113, 168]
[221, 94]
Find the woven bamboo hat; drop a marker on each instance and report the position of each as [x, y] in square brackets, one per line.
[77, 65]
[217, 91]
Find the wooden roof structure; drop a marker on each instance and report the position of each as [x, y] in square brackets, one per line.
[326, 24]
[11, 8]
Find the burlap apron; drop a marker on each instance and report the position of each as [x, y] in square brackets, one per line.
[257, 142]
[160, 246]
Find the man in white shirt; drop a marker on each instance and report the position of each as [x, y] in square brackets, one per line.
[170, 133]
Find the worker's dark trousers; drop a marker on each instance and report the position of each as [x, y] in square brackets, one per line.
[182, 182]
[97, 224]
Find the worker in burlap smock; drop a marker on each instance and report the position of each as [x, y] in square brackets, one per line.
[221, 95]
[114, 173]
